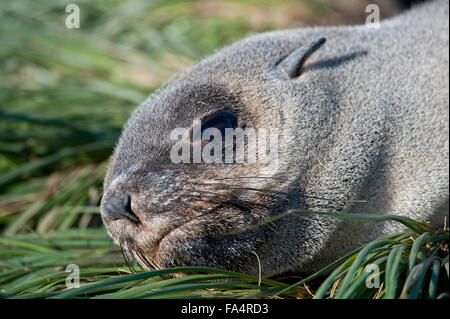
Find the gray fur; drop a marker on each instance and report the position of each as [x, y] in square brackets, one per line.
[367, 119]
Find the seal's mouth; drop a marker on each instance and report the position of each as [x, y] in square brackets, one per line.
[174, 231]
[151, 249]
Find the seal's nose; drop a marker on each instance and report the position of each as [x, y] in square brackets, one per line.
[118, 206]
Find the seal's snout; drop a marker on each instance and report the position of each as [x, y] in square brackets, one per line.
[117, 206]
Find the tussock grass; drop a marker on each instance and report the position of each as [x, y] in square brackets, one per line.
[412, 264]
[64, 97]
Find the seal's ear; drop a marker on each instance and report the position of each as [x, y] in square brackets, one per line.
[291, 66]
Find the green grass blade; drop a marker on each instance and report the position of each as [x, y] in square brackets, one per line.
[198, 286]
[136, 291]
[354, 287]
[154, 273]
[392, 271]
[331, 279]
[445, 263]
[432, 289]
[416, 279]
[357, 263]
[415, 250]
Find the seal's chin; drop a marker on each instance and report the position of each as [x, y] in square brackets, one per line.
[139, 242]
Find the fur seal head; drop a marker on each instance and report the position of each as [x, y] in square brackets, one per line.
[166, 214]
[352, 120]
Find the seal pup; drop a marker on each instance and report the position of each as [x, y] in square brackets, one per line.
[362, 124]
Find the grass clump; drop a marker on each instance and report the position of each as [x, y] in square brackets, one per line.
[411, 264]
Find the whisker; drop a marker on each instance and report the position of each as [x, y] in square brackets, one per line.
[239, 187]
[225, 202]
[144, 260]
[129, 259]
[255, 177]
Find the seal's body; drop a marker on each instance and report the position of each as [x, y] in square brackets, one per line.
[362, 126]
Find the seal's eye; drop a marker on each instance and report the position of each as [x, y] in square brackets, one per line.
[219, 122]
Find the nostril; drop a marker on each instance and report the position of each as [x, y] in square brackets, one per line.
[118, 206]
[130, 214]
[128, 205]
